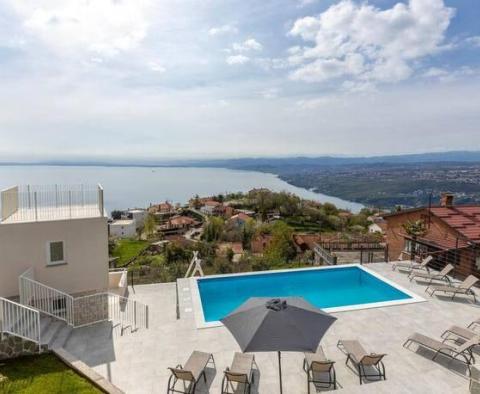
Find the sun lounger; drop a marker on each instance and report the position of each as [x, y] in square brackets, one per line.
[411, 265]
[369, 365]
[240, 373]
[474, 323]
[462, 353]
[191, 373]
[458, 332]
[431, 276]
[320, 370]
[463, 288]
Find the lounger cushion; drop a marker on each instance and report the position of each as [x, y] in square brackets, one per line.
[197, 363]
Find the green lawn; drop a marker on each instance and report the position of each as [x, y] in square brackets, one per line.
[43, 374]
[127, 249]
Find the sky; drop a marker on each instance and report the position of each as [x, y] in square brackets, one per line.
[145, 80]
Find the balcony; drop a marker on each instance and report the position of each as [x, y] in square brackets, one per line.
[23, 204]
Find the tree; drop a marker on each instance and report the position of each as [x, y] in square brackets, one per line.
[281, 248]
[116, 214]
[196, 202]
[414, 229]
[213, 229]
[150, 225]
[229, 254]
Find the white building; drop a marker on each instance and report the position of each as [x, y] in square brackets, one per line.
[60, 233]
[139, 216]
[124, 228]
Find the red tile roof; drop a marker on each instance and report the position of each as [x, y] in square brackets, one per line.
[464, 219]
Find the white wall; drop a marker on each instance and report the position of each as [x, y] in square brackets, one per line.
[122, 229]
[23, 245]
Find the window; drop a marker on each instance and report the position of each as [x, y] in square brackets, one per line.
[56, 253]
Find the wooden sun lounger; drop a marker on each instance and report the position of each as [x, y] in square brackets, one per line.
[316, 366]
[464, 288]
[411, 265]
[240, 372]
[191, 373]
[431, 276]
[462, 353]
[362, 360]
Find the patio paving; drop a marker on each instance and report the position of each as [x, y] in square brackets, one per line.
[137, 362]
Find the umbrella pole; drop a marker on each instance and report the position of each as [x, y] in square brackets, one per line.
[280, 371]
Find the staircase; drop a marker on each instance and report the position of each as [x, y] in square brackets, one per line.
[54, 333]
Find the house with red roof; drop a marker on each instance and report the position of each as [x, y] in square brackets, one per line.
[239, 219]
[452, 235]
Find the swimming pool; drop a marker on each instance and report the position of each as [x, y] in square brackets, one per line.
[333, 289]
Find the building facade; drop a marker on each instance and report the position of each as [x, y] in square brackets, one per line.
[59, 232]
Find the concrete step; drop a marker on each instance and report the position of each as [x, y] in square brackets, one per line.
[61, 337]
[51, 331]
[45, 321]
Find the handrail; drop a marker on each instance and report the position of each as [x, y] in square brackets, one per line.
[47, 299]
[19, 320]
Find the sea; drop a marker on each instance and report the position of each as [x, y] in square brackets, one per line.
[138, 187]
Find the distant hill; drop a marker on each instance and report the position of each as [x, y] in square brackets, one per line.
[263, 163]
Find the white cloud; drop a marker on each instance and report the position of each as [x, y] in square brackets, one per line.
[434, 72]
[474, 41]
[444, 75]
[104, 27]
[270, 93]
[222, 30]
[237, 59]
[315, 103]
[364, 42]
[248, 45]
[304, 3]
[156, 66]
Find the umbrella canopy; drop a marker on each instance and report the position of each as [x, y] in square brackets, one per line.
[287, 324]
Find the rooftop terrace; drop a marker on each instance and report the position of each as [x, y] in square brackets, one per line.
[29, 203]
[138, 363]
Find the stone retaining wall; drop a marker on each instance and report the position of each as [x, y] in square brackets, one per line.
[12, 346]
[90, 309]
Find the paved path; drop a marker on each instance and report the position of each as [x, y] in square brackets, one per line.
[137, 362]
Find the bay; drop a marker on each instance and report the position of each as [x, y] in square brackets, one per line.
[130, 187]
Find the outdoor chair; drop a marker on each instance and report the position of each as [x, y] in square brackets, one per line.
[411, 265]
[474, 323]
[430, 277]
[369, 365]
[464, 288]
[462, 353]
[190, 374]
[456, 333]
[320, 370]
[239, 374]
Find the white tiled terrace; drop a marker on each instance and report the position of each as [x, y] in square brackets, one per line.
[137, 362]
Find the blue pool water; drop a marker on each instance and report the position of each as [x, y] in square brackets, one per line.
[324, 288]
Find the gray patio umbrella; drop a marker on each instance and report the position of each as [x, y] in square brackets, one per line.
[286, 324]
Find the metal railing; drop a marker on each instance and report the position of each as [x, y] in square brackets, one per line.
[127, 312]
[324, 256]
[46, 299]
[465, 260]
[51, 202]
[19, 320]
